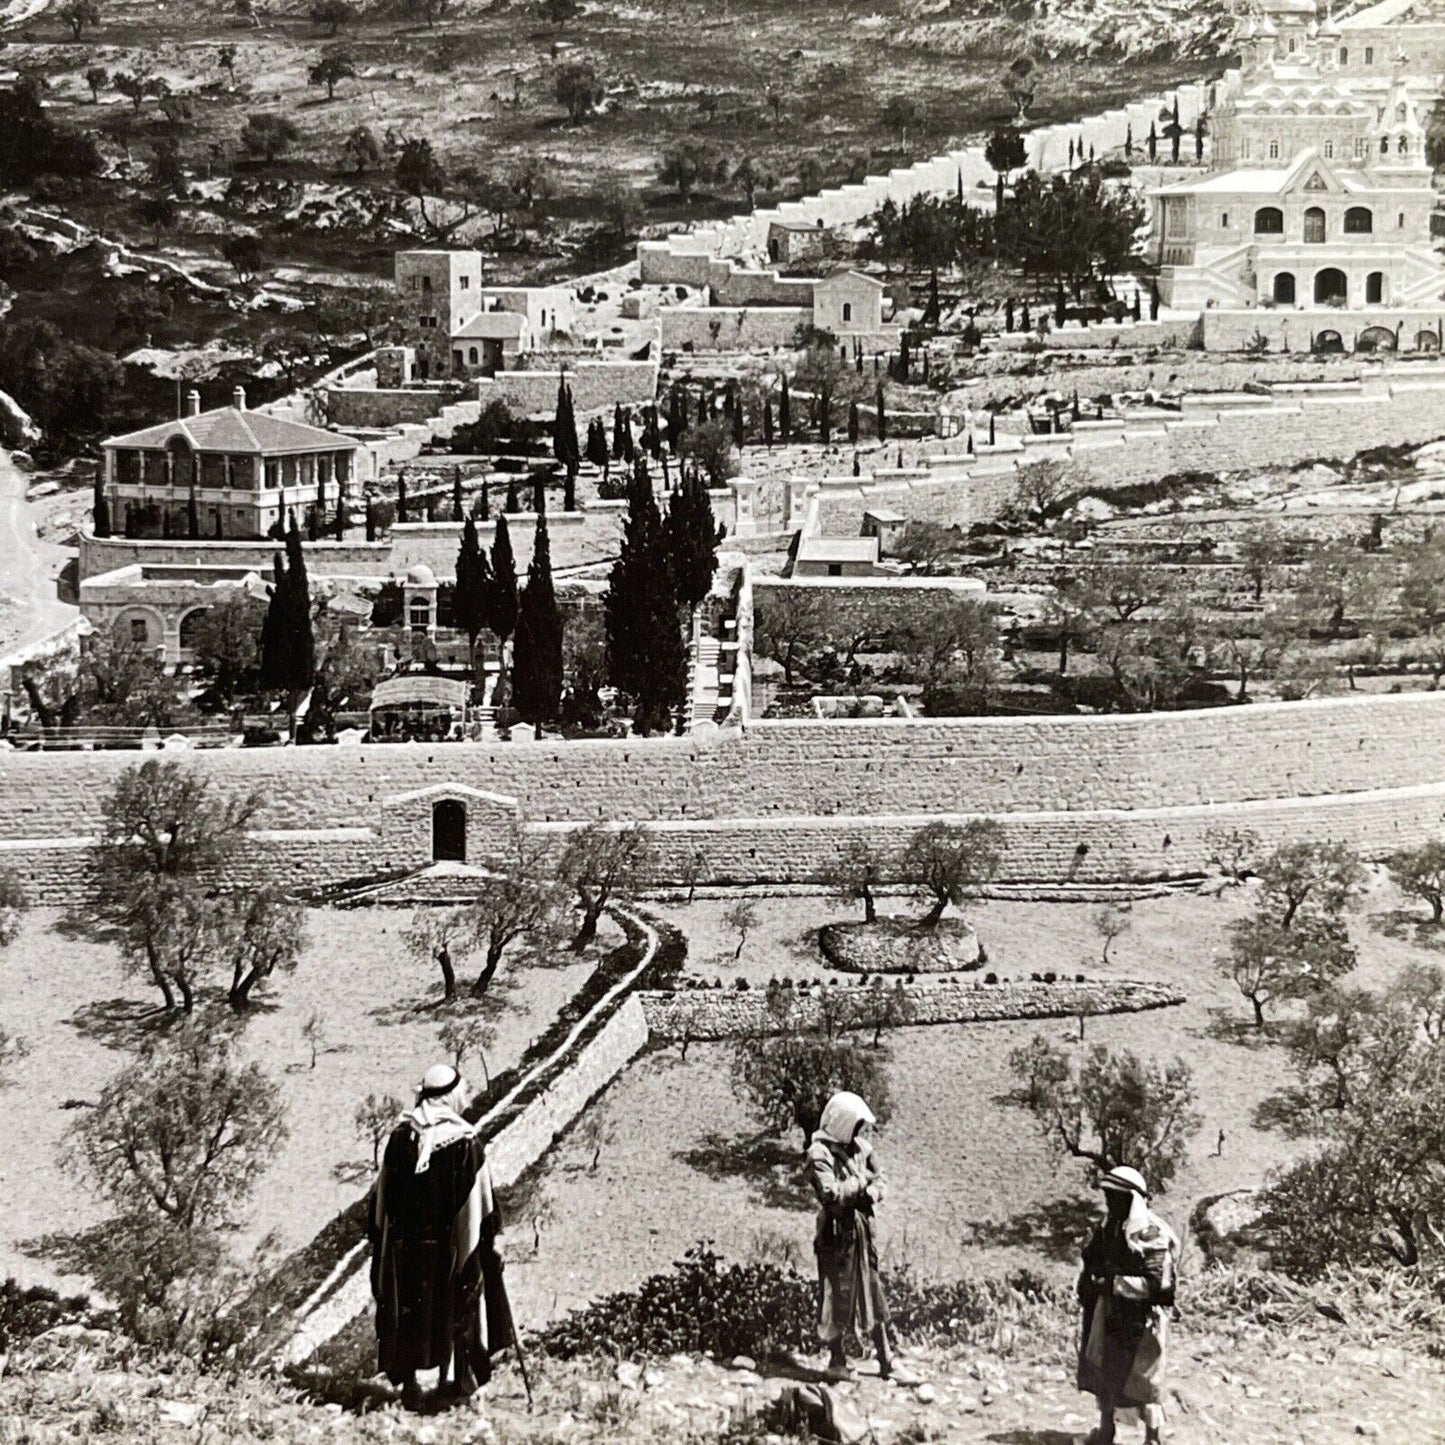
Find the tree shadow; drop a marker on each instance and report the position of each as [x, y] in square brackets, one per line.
[1034, 1437]
[1056, 1229]
[85, 925]
[122, 1023]
[1409, 925]
[499, 999]
[773, 1169]
[79, 1251]
[1227, 1027]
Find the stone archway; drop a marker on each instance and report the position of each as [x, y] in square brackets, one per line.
[1377, 338]
[1328, 343]
[189, 624]
[1332, 287]
[1426, 341]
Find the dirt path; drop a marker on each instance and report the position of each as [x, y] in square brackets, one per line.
[29, 608]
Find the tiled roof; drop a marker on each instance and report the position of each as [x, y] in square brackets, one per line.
[229, 429]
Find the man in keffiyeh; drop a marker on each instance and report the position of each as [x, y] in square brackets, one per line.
[435, 1271]
[1126, 1289]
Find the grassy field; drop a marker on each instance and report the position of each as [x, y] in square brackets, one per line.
[974, 1185]
[81, 1017]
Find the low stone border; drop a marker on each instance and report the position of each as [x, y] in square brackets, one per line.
[901, 946]
[704, 1015]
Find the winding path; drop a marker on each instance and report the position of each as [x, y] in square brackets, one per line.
[29, 608]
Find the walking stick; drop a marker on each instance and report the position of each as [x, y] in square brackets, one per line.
[516, 1340]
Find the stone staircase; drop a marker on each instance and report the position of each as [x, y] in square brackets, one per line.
[437, 884]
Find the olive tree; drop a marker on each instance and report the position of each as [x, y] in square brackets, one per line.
[948, 862]
[601, 863]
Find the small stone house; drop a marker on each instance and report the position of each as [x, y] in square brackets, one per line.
[796, 241]
[848, 303]
[836, 557]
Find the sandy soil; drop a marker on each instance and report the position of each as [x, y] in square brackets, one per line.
[80, 1016]
[974, 1184]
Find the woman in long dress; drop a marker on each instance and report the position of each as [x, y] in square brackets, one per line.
[1125, 1289]
[849, 1185]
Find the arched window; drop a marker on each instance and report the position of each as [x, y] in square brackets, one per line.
[1269, 221]
[847, 311]
[1314, 232]
[1359, 221]
[1344, 55]
[1375, 288]
[1284, 292]
[1384, 145]
[472, 355]
[1331, 287]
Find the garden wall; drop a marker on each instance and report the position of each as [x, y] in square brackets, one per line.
[1323, 421]
[707, 1015]
[596, 386]
[356, 406]
[577, 538]
[875, 605]
[1082, 798]
[326, 559]
[730, 328]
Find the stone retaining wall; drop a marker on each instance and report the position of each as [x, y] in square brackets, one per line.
[1325, 422]
[707, 1015]
[1085, 799]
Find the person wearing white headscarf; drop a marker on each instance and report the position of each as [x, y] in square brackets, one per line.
[849, 1185]
[435, 1271]
[1126, 1288]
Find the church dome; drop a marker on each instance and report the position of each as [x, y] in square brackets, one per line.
[421, 576]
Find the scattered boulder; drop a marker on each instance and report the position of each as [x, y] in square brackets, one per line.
[901, 945]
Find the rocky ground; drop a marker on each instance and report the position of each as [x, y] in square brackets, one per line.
[1312, 1381]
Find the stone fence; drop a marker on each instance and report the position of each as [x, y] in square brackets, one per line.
[1400, 406]
[710, 1015]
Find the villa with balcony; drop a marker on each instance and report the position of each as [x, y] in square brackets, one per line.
[230, 473]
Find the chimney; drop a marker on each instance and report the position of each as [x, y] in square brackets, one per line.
[238, 398]
[193, 402]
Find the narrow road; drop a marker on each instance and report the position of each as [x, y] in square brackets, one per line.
[29, 608]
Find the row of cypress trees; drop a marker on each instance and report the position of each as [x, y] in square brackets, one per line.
[664, 570]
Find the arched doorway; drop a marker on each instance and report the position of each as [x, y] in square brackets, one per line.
[1331, 287]
[1426, 341]
[1329, 343]
[1284, 288]
[449, 831]
[1375, 288]
[1315, 226]
[190, 627]
[1376, 338]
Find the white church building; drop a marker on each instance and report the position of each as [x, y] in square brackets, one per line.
[1319, 195]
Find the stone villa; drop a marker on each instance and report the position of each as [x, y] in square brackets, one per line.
[240, 472]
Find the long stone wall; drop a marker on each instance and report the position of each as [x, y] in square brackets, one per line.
[704, 1015]
[1324, 421]
[1082, 798]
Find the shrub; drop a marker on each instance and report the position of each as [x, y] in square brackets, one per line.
[26, 1313]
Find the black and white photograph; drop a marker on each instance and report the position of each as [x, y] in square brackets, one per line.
[722, 722]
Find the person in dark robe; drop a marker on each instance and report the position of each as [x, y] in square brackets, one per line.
[849, 1185]
[436, 1274]
[1126, 1288]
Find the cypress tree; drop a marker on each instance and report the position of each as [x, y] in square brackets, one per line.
[882, 415]
[100, 510]
[457, 512]
[629, 450]
[537, 653]
[401, 496]
[1153, 141]
[564, 430]
[539, 494]
[617, 432]
[739, 435]
[502, 593]
[298, 613]
[677, 426]
[569, 494]
[1129, 139]
[853, 423]
[370, 521]
[313, 524]
[275, 637]
[904, 360]
[511, 504]
[470, 598]
[767, 424]
[785, 413]
[692, 540]
[825, 405]
[485, 511]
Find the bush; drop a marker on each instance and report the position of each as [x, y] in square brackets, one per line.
[26, 1313]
